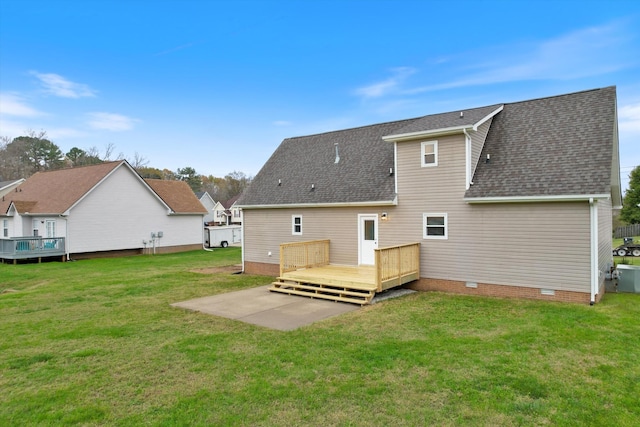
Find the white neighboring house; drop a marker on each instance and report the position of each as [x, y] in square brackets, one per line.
[100, 210]
[209, 204]
[228, 213]
[220, 214]
[235, 212]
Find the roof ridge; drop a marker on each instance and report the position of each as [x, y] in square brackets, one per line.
[80, 167]
[353, 128]
[560, 95]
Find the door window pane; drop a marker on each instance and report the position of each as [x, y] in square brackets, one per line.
[369, 229]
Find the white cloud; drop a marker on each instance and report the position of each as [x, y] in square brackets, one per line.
[583, 53]
[282, 123]
[14, 105]
[629, 118]
[12, 129]
[57, 85]
[387, 86]
[111, 121]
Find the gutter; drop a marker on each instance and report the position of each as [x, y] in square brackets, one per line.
[529, 199]
[393, 202]
[429, 133]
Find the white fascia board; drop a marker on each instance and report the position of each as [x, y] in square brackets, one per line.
[393, 202]
[531, 199]
[426, 134]
[487, 117]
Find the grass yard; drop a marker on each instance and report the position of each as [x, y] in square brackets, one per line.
[96, 343]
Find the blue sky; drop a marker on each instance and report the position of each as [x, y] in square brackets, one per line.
[217, 85]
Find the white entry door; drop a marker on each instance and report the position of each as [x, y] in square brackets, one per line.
[368, 238]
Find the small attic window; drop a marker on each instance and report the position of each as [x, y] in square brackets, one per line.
[429, 150]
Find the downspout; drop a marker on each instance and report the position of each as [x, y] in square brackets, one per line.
[467, 150]
[242, 238]
[593, 216]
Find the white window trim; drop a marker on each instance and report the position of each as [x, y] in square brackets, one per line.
[50, 228]
[293, 225]
[435, 153]
[424, 226]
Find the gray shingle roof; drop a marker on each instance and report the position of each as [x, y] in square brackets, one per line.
[560, 145]
[361, 175]
[554, 146]
[447, 120]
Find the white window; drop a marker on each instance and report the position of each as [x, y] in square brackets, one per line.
[296, 224]
[434, 226]
[51, 228]
[429, 152]
[35, 227]
[5, 228]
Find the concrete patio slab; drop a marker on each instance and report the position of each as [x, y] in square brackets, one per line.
[272, 310]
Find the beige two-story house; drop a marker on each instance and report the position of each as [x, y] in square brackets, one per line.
[510, 199]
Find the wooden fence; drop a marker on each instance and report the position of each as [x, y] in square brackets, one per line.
[627, 231]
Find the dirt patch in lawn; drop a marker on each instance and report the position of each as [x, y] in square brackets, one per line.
[227, 269]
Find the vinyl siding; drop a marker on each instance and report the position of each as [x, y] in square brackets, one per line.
[266, 229]
[543, 245]
[121, 212]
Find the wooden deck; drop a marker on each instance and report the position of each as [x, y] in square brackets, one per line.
[305, 270]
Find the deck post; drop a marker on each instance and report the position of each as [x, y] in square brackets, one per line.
[378, 271]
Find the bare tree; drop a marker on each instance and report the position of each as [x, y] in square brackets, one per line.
[138, 161]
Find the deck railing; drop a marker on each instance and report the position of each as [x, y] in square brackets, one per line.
[31, 247]
[396, 265]
[297, 255]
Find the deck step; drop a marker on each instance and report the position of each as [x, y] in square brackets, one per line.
[342, 294]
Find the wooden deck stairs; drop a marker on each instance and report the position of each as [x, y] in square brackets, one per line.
[305, 270]
[320, 289]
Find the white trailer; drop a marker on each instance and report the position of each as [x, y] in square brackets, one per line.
[222, 236]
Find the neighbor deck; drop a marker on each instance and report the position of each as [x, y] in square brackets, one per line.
[32, 248]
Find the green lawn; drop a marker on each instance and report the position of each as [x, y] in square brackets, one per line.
[96, 343]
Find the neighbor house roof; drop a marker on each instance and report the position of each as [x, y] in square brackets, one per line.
[7, 186]
[54, 192]
[177, 195]
[556, 146]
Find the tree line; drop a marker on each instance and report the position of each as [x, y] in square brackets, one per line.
[23, 156]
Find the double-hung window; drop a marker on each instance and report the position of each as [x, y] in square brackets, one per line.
[296, 225]
[434, 226]
[5, 228]
[429, 150]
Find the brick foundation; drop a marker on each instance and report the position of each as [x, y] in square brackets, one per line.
[503, 291]
[262, 269]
